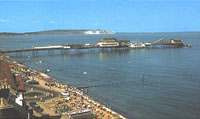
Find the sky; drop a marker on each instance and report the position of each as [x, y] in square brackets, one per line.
[118, 15]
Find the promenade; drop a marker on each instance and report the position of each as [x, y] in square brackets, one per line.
[56, 103]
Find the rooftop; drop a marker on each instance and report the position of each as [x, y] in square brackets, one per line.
[87, 115]
[109, 40]
[5, 73]
[21, 84]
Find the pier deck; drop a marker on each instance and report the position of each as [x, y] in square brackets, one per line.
[161, 43]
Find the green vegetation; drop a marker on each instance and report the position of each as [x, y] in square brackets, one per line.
[50, 32]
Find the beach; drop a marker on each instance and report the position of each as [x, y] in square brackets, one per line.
[74, 98]
[170, 86]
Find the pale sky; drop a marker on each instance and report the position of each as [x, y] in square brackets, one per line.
[117, 15]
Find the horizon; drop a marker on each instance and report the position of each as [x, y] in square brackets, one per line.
[20, 16]
[101, 29]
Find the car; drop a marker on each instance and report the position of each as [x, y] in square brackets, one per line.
[25, 79]
[33, 82]
[65, 93]
[28, 80]
[32, 104]
[46, 116]
[36, 106]
[38, 109]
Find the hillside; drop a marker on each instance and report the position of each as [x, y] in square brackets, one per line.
[59, 32]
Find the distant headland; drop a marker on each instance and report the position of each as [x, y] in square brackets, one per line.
[59, 32]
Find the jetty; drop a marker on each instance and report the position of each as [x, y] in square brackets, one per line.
[103, 44]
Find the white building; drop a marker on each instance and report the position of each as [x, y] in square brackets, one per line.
[108, 42]
[20, 99]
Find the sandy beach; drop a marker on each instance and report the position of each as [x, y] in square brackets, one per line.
[73, 98]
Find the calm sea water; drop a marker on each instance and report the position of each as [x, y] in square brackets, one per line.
[171, 88]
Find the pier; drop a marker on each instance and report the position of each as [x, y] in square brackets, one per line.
[104, 44]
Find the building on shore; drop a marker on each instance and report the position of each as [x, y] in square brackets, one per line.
[12, 111]
[5, 74]
[11, 108]
[82, 114]
[98, 32]
[108, 42]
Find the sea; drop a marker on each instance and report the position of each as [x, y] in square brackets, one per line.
[160, 83]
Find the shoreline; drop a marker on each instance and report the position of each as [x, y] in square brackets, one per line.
[94, 102]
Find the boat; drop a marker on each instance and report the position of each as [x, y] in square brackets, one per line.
[48, 70]
[112, 68]
[84, 73]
